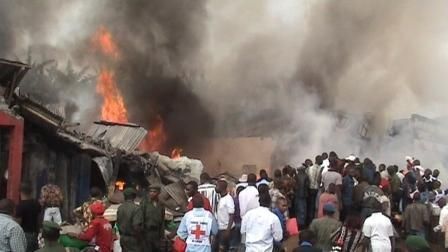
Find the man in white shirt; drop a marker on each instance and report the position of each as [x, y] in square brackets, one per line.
[224, 215]
[378, 232]
[248, 198]
[261, 227]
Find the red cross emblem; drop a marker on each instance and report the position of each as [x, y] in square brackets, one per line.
[198, 232]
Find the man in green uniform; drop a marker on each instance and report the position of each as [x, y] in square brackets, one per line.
[50, 233]
[130, 223]
[153, 218]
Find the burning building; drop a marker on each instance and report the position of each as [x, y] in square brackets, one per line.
[99, 155]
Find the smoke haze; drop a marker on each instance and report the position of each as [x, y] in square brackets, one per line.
[287, 69]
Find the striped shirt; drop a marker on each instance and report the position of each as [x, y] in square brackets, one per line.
[12, 237]
[208, 190]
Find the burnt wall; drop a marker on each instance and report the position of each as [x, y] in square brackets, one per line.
[45, 154]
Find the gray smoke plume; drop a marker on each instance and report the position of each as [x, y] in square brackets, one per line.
[310, 74]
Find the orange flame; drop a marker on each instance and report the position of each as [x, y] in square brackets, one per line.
[176, 153]
[156, 138]
[113, 108]
[103, 41]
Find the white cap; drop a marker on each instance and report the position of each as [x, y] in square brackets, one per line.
[243, 178]
[351, 158]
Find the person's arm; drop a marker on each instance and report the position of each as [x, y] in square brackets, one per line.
[392, 243]
[162, 225]
[17, 240]
[89, 233]
[137, 222]
[367, 232]
[243, 205]
[277, 231]
[231, 210]
[182, 231]
[214, 229]
[243, 225]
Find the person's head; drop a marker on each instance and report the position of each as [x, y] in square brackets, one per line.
[416, 197]
[7, 206]
[292, 172]
[351, 170]
[97, 208]
[25, 190]
[239, 189]
[282, 204]
[277, 174]
[416, 162]
[130, 193]
[307, 236]
[251, 179]
[285, 170]
[376, 179]
[331, 188]
[198, 201]
[329, 209]
[95, 192]
[353, 221]
[263, 174]
[221, 187]
[441, 202]
[308, 163]
[265, 200]
[427, 173]
[50, 231]
[318, 160]
[263, 188]
[324, 156]
[391, 170]
[436, 173]
[154, 191]
[205, 178]
[381, 167]
[191, 188]
[436, 185]
[333, 155]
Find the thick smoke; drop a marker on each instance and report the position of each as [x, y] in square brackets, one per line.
[305, 63]
[311, 74]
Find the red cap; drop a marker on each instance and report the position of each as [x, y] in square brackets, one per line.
[97, 208]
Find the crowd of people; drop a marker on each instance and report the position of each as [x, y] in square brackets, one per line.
[329, 204]
[338, 204]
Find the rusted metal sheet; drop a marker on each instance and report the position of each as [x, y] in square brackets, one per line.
[126, 137]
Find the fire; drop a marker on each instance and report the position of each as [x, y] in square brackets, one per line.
[156, 138]
[103, 41]
[176, 153]
[113, 108]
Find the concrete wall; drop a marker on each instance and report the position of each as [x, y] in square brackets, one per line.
[237, 155]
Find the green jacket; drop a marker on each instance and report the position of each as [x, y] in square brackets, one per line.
[153, 218]
[129, 219]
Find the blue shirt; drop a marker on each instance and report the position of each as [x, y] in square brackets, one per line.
[348, 183]
[282, 219]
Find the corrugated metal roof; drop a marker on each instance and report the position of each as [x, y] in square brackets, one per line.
[126, 137]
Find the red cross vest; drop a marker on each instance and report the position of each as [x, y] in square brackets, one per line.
[199, 228]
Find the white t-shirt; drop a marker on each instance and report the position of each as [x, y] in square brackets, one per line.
[248, 199]
[379, 229]
[261, 227]
[226, 206]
